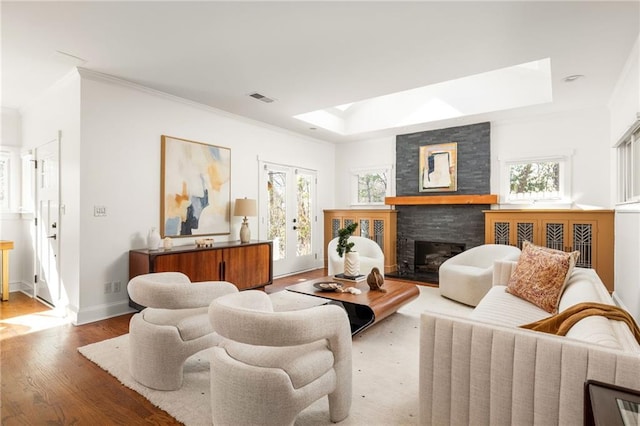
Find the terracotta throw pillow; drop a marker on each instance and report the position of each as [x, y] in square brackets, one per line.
[541, 275]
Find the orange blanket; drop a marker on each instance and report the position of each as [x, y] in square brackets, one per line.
[561, 323]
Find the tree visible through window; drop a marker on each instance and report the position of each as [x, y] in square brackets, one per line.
[370, 186]
[276, 188]
[304, 243]
[535, 180]
[277, 225]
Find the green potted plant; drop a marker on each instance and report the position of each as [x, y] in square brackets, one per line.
[344, 247]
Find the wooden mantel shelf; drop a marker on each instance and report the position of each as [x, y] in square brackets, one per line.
[442, 199]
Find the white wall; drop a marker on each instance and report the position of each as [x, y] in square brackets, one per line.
[585, 133]
[625, 100]
[368, 153]
[624, 106]
[13, 225]
[120, 169]
[10, 135]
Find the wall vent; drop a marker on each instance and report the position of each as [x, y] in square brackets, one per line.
[261, 97]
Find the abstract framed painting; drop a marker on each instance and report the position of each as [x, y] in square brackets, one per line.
[195, 188]
[439, 167]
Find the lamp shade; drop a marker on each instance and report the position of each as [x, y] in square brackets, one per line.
[245, 207]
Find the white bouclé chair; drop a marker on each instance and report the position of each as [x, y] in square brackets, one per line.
[468, 276]
[369, 251]
[173, 326]
[270, 365]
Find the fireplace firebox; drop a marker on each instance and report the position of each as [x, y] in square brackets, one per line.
[429, 255]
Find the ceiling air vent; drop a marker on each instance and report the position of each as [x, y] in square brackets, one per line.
[261, 97]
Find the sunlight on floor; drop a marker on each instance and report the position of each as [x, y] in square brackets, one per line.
[31, 323]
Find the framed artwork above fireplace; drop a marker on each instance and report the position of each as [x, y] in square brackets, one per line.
[439, 168]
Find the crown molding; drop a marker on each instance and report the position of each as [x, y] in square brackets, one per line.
[110, 79]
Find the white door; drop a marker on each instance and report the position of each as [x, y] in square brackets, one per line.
[288, 217]
[48, 222]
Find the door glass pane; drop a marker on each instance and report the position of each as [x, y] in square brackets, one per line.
[335, 226]
[555, 236]
[304, 246]
[525, 233]
[277, 215]
[582, 242]
[378, 232]
[364, 228]
[501, 232]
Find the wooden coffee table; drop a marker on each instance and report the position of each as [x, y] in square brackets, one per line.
[366, 308]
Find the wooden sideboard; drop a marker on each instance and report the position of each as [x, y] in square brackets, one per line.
[247, 265]
[378, 225]
[588, 231]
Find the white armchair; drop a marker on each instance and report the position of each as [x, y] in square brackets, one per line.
[173, 326]
[272, 365]
[468, 276]
[371, 256]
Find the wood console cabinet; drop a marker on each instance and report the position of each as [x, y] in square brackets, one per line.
[246, 265]
[378, 225]
[588, 231]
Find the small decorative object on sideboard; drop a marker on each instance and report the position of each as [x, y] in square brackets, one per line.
[153, 239]
[204, 242]
[376, 280]
[167, 243]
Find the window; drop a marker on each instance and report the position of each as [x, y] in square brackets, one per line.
[629, 165]
[534, 179]
[370, 186]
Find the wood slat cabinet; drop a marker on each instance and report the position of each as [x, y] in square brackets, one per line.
[248, 265]
[588, 231]
[378, 225]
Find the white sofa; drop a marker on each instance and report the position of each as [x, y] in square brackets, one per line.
[371, 256]
[486, 370]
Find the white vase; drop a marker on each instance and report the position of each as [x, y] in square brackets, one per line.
[153, 239]
[352, 263]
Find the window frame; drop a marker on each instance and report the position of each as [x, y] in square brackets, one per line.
[565, 195]
[355, 174]
[628, 165]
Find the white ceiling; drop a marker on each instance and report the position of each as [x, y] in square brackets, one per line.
[314, 55]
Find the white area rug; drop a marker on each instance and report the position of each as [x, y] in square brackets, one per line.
[385, 371]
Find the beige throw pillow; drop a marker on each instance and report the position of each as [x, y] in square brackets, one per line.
[541, 275]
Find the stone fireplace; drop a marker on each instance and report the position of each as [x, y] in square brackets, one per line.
[462, 224]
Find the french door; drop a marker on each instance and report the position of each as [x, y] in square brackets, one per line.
[288, 217]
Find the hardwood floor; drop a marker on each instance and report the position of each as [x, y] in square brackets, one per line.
[45, 380]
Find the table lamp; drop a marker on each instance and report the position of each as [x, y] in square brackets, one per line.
[245, 207]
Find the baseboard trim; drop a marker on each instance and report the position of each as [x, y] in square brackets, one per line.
[620, 304]
[99, 312]
[22, 287]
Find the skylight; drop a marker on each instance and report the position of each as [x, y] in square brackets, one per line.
[344, 107]
[512, 87]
